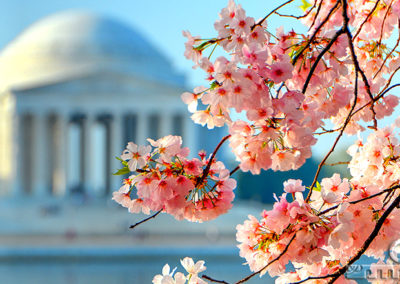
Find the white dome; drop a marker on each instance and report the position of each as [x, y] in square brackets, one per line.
[73, 44]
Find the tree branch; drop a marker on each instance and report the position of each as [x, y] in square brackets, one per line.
[315, 33]
[260, 22]
[355, 61]
[366, 19]
[391, 52]
[207, 169]
[319, 57]
[271, 262]
[348, 118]
[145, 220]
[341, 271]
[361, 200]
[213, 280]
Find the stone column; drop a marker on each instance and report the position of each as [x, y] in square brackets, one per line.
[117, 145]
[40, 156]
[166, 126]
[142, 128]
[59, 178]
[18, 185]
[87, 153]
[73, 161]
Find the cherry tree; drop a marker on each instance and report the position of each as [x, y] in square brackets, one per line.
[291, 88]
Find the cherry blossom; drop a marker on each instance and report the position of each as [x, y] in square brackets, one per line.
[192, 278]
[291, 87]
[193, 189]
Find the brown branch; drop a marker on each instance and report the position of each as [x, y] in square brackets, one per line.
[348, 118]
[293, 16]
[366, 19]
[315, 33]
[338, 163]
[319, 57]
[355, 61]
[316, 14]
[387, 199]
[271, 262]
[390, 53]
[325, 131]
[199, 181]
[390, 78]
[369, 240]
[207, 169]
[341, 271]
[234, 170]
[384, 21]
[312, 278]
[145, 220]
[377, 97]
[297, 17]
[391, 189]
[213, 280]
[260, 22]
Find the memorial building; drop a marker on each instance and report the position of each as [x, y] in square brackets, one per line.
[75, 87]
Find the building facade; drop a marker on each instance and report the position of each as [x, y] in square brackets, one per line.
[74, 89]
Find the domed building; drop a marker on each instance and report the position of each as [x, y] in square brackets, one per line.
[75, 87]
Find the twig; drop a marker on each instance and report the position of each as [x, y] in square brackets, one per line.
[315, 33]
[271, 262]
[234, 170]
[384, 21]
[390, 78]
[145, 220]
[348, 118]
[376, 98]
[369, 240]
[356, 63]
[361, 200]
[312, 278]
[297, 17]
[338, 163]
[366, 19]
[213, 280]
[361, 251]
[319, 57]
[207, 169]
[317, 13]
[293, 16]
[391, 52]
[259, 23]
[198, 182]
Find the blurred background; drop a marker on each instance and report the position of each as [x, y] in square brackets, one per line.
[78, 80]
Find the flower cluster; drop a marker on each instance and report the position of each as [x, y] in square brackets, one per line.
[197, 189]
[378, 160]
[268, 77]
[337, 220]
[288, 86]
[192, 268]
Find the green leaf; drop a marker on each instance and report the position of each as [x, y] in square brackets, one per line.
[125, 163]
[317, 186]
[305, 5]
[123, 171]
[201, 46]
[213, 85]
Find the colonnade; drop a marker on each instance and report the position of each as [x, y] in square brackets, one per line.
[62, 154]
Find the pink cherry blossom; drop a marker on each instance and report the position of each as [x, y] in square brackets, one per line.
[136, 156]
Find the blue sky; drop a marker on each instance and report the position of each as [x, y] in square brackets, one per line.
[161, 21]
